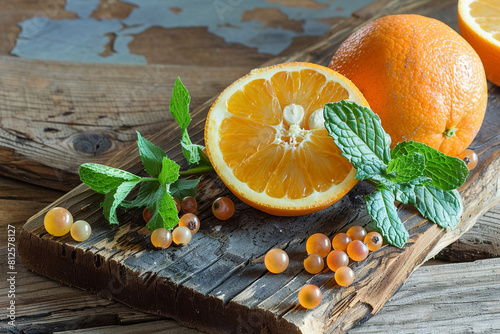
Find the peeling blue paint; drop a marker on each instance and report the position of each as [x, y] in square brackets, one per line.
[84, 39]
[82, 8]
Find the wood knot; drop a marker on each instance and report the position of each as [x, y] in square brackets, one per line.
[91, 143]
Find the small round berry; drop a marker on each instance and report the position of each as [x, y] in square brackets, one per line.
[337, 259]
[313, 264]
[374, 241]
[80, 230]
[177, 204]
[340, 241]
[318, 243]
[356, 233]
[276, 260]
[58, 221]
[344, 276]
[181, 235]
[357, 250]
[470, 158]
[147, 215]
[191, 221]
[189, 204]
[161, 238]
[223, 208]
[310, 296]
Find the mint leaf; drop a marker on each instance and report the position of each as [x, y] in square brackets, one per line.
[103, 179]
[164, 211]
[405, 193]
[168, 211]
[446, 172]
[151, 155]
[405, 168]
[179, 104]
[190, 151]
[183, 188]
[441, 207]
[417, 174]
[114, 198]
[358, 133]
[169, 171]
[179, 108]
[385, 219]
[370, 169]
[145, 196]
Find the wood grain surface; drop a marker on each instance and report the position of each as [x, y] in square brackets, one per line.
[56, 116]
[221, 271]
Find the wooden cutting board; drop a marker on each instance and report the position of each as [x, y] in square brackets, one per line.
[218, 282]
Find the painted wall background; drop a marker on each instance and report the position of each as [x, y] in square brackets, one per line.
[84, 39]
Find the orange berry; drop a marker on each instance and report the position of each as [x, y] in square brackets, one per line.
[276, 260]
[340, 241]
[58, 221]
[161, 238]
[314, 263]
[310, 296]
[344, 276]
[181, 235]
[374, 241]
[470, 158]
[337, 259]
[357, 250]
[147, 215]
[189, 204]
[223, 208]
[356, 233]
[191, 221]
[177, 204]
[318, 243]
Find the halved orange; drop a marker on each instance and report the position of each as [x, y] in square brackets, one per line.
[479, 24]
[266, 138]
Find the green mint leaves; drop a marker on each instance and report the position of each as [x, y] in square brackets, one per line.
[360, 137]
[151, 156]
[381, 208]
[103, 179]
[412, 173]
[153, 193]
[179, 108]
[156, 192]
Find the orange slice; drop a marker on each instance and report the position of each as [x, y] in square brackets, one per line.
[266, 138]
[479, 24]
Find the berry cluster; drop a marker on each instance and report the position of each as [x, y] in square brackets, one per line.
[189, 223]
[59, 221]
[354, 245]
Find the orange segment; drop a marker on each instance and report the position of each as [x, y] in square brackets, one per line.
[240, 138]
[266, 139]
[479, 24]
[257, 102]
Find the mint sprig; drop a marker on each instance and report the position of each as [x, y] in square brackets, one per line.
[157, 191]
[179, 108]
[412, 173]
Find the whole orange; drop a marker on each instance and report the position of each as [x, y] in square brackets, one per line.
[424, 80]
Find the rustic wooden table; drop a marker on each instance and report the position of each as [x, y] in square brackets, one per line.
[43, 138]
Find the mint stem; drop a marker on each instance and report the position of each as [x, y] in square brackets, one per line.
[196, 170]
[149, 179]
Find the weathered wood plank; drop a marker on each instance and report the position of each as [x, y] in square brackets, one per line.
[480, 242]
[150, 327]
[445, 298]
[72, 308]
